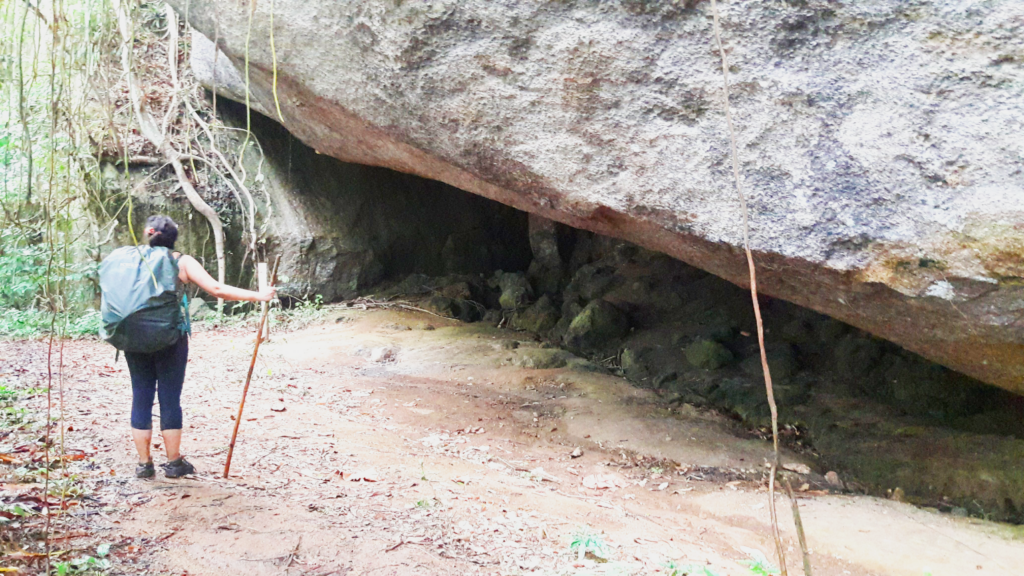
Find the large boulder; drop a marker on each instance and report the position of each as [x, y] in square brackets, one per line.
[879, 142]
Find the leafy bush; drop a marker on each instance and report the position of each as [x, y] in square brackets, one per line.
[32, 323]
[22, 268]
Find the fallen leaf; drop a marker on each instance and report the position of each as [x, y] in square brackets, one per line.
[594, 557]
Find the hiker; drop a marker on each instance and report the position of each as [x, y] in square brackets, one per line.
[145, 314]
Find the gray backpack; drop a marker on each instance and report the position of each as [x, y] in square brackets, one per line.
[144, 307]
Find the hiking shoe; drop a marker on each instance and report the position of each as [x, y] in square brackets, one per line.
[178, 468]
[146, 470]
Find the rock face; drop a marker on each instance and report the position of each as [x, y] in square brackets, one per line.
[341, 228]
[879, 142]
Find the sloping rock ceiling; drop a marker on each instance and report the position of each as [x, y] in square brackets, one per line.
[880, 142]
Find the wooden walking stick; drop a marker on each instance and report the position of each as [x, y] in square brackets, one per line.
[248, 378]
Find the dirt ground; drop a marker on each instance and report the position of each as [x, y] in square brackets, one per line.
[394, 442]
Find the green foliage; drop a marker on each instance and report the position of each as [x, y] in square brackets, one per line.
[86, 564]
[8, 395]
[32, 286]
[310, 305]
[22, 268]
[32, 323]
[47, 59]
[247, 315]
[24, 323]
[758, 564]
[86, 324]
[584, 540]
[305, 312]
[14, 509]
[11, 416]
[426, 503]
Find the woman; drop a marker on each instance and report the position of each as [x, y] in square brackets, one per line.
[162, 373]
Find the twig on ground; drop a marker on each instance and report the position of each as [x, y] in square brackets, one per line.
[799, 530]
[368, 303]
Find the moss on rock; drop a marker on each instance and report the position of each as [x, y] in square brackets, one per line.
[597, 326]
[708, 354]
[542, 358]
[516, 291]
[539, 318]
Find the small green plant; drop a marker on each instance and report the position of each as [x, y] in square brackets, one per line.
[88, 324]
[32, 323]
[13, 417]
[425, 504]
[69, 487]
[86, 564]
[14, 509]
[311, 305]
[758, 563]
[584, 540]
[9, 395]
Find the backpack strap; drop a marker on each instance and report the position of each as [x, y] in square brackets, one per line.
[188, 317]
[184, 301]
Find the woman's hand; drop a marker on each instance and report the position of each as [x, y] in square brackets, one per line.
[267, 295]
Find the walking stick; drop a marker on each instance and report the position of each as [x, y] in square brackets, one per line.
[248, 378]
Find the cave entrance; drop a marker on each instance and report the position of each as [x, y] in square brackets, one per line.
[861, 404]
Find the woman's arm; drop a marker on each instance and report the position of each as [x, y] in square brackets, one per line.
[191, 271]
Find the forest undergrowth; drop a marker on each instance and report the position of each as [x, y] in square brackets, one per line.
[80, 80]
[77, 80]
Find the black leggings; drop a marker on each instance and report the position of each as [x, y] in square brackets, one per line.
[166, 367]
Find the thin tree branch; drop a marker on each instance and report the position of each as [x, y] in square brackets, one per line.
[753, 290]
[39, 13]
[149, 129]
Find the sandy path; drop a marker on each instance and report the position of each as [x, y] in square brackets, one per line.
[445, 458]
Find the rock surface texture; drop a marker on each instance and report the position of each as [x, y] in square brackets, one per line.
[880, 143]
[342, 227]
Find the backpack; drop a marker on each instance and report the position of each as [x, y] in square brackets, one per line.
[144, 307]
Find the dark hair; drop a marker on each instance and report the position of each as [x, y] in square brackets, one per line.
[165, 231]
